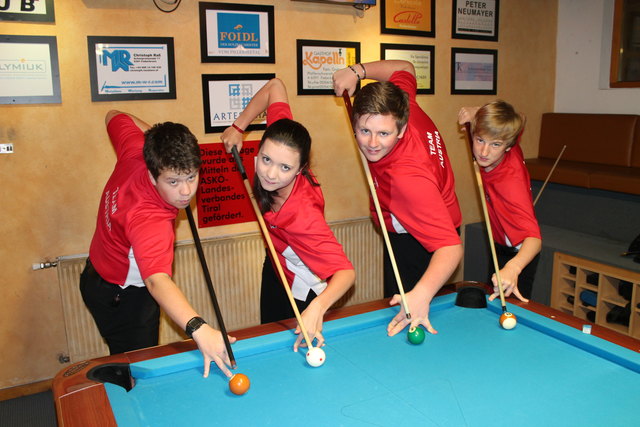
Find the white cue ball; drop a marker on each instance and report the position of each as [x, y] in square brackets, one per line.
[508, 320]
[315, 357]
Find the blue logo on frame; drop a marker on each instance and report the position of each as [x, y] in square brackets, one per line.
[239, 95]
[238, 30]
[120, 58]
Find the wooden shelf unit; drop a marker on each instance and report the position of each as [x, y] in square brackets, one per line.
[591, 290]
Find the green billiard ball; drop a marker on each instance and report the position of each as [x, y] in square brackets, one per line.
[415, 335]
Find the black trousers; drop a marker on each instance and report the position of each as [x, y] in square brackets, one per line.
[412, 260]
[527, 275]
[274, 302]
[128, 319]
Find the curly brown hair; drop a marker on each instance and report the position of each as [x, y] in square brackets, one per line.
[171, 146]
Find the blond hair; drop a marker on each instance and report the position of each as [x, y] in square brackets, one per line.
[498, 120]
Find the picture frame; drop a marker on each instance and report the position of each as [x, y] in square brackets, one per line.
[415, 18]
[475, 20]
[474, 71]
[421, 56]
[237, 33]
[224, 97]
[35, 74]
[131, 68]
[43, 11]
[317, 61]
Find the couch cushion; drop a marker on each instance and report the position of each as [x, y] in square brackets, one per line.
[592, 138]
[615, 178]
[635, 152]
[568, 173]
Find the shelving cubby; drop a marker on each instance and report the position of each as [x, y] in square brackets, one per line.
[598, 293]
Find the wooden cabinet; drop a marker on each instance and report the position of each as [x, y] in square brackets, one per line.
[598, 293]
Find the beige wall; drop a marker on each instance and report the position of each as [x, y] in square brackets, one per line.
[51, 184]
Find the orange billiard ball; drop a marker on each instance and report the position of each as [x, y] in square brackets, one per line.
[508, 320]
[239, 384]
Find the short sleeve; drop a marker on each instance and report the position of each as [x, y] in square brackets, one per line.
[277, 111]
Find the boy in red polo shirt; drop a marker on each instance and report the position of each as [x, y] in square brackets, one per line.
[414, 182]
[128, 272]
[495, 129]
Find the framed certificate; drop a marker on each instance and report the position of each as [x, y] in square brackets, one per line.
[27, 10]
[421, 56]
[474, 71]
[225, 96]
[409, 18]
[476, 20]
[318, 60]
[236, 33]
[29, 72]
[131, 68]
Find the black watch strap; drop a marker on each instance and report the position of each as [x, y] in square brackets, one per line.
[193, 325]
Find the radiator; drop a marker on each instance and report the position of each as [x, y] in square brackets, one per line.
[235, 264]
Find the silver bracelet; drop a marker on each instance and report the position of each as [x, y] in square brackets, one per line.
[364, 70]
[355, 72]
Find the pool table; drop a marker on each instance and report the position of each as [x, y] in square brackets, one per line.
[544, 372]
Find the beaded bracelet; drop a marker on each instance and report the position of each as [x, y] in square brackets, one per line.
[355, 72]
[364, 70]
[233, 125]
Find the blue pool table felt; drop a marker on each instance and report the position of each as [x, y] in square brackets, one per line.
[472, 373]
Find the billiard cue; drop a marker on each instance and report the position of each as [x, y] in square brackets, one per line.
[376, 203]
[487, 221]
[549, 176]
[212, 293]
[630, 253]
[272, 249]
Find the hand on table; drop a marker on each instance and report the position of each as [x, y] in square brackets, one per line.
[509, 278]
[419, 308]
[312, 318]
[211, 345]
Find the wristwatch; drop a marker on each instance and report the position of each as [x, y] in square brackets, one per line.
[193, 325]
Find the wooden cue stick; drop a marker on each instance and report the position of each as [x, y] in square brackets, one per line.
[483, 199]
[376, 203]
[212, 293]
[272, 249]
[630, 253]
[549, 176]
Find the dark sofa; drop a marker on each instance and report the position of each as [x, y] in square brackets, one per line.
[603, 151]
